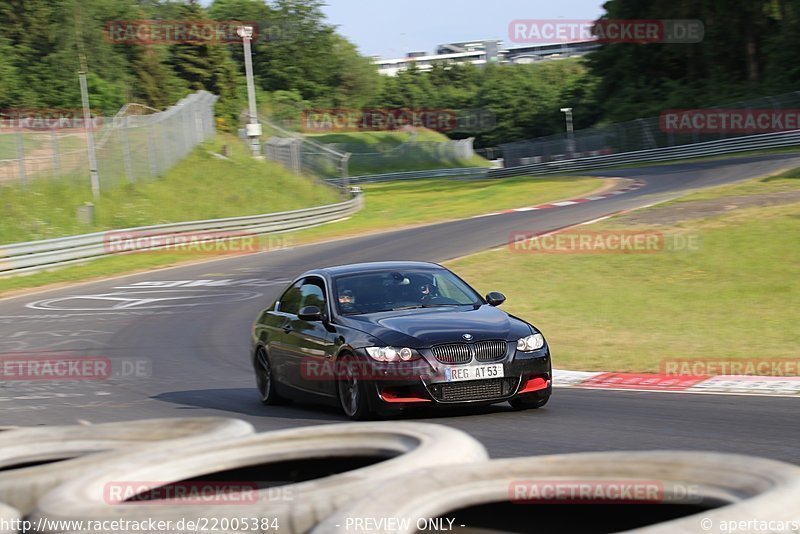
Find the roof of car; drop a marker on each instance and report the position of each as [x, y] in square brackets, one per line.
[352, 268]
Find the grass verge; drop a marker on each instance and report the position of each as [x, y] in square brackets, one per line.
[201, 186]
[388, 206]
[735, 296]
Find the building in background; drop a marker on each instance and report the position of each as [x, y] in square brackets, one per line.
[482, 52]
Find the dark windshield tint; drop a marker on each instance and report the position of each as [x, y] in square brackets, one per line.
[395, 290]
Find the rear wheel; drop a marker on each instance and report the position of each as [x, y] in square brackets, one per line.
[265, 380]
[352, 390]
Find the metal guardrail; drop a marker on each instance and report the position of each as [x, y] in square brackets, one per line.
[39, 255]
[705, 149]
[467, 172]
[708, 148]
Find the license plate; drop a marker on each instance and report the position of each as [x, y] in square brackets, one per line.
[473, 372]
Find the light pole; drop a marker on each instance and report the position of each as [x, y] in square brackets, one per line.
[570, 132]
[253, 127]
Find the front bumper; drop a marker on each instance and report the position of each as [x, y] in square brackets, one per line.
[424, 382]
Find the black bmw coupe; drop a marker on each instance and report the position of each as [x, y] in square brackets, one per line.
[375, 338]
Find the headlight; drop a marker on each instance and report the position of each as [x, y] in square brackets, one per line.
[392, 354]
[529, 343]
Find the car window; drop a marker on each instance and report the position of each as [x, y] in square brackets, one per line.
[291, 299]
[450, 287]
[312, 294]
[390, 290]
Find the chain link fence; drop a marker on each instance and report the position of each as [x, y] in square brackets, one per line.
[408, 156]
[339, 161]
[302, 155]
[631, 136]
[138, 143]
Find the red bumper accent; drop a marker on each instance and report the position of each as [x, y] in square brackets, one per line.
[535, 383]
[389, 395]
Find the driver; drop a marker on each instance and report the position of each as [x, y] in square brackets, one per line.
[428, 292]
[347, 300]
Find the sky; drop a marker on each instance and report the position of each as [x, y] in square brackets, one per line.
[391, 28]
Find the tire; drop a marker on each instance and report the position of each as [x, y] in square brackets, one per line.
[522, 403]
[65, 452]
[265, 380]
[8, 516]
[300, 506]
[715, 486]
[351, 391]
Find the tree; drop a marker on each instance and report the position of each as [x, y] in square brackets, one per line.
[208, 66]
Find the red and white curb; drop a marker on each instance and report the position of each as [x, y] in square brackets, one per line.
[634, 184]
[786, 386]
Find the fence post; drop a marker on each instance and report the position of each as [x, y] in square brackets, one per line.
[164, 145]
[126, 150]
[295, 155]
[152, 155]
[346, 171]
[56, 154]
[21, 158]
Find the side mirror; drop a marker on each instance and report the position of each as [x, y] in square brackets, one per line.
[495, 298]
[310, 313]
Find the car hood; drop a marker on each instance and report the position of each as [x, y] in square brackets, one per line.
[422, 328]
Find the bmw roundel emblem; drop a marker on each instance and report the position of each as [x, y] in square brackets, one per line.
[468, 337]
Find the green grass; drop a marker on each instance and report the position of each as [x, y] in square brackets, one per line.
[785, 181]
[382, 152]
[393, 205]
[200, 187]
[735, 297]
[367, 141]
[388, 206]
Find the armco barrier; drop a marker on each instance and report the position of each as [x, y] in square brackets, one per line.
[706, 149]
[466, 172]
[709, 148]
[39, 255]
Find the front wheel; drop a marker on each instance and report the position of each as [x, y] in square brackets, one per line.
[265, 380]
[521, 403]
[352, 390]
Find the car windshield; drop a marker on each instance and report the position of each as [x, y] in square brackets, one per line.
[383, 291]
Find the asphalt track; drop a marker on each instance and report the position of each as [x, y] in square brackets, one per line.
[191, 342]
